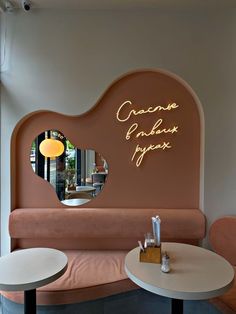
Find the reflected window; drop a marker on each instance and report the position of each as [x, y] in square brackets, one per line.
[77, 175]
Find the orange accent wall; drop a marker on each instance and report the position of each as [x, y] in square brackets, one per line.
[165, 179]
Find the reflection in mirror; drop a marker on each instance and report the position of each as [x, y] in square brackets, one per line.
[77, 175]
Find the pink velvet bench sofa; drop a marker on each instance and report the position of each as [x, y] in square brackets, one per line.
[96, 241]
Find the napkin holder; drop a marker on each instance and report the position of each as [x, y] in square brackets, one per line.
[151, 254]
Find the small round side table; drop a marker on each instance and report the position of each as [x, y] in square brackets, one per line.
[28, 269]
[196, 274]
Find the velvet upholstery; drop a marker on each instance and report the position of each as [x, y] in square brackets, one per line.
[222, 236]
[106, 234]
[227, 302]
[103, 228]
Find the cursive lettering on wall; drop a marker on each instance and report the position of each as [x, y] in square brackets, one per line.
[124, 113]
[134, 112]
[154, 131]
[144, 150]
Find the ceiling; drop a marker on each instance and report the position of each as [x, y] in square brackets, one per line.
[129, 4]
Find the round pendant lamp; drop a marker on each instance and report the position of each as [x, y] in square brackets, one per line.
[51, 148]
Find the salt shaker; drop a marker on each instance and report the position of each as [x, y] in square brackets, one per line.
[165, 265]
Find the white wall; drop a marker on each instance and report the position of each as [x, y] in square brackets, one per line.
[63, 61]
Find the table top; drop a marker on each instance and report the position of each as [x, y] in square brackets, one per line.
[196, 273]
[31, 268]
[81, 188]
[75, 201]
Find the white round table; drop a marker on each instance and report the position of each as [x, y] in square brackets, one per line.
[75, 201]
[28, 269]
[196, 274]
[81, 188]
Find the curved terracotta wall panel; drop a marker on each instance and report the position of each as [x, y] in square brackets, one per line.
[152, 103]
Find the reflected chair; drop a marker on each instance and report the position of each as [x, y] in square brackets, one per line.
[98, 180]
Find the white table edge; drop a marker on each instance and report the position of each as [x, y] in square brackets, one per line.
[183, 295]
[177, 294]
[36, 284]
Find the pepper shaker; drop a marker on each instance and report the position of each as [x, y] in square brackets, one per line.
[165, 263]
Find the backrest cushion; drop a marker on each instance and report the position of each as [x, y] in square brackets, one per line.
[222, 236]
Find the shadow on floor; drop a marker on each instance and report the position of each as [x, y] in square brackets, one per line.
[134, 302]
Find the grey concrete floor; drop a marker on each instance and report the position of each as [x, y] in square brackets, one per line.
[134, 302]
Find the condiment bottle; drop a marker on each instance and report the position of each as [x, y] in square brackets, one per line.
[165, 263]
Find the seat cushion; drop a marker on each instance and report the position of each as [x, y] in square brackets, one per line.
[90, 275]
[227, 302]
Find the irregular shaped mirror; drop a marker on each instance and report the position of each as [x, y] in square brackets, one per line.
[77, 175]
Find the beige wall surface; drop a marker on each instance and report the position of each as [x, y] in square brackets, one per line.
[63, 60]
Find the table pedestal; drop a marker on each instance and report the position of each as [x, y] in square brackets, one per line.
[177, 306]
[30, 301]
